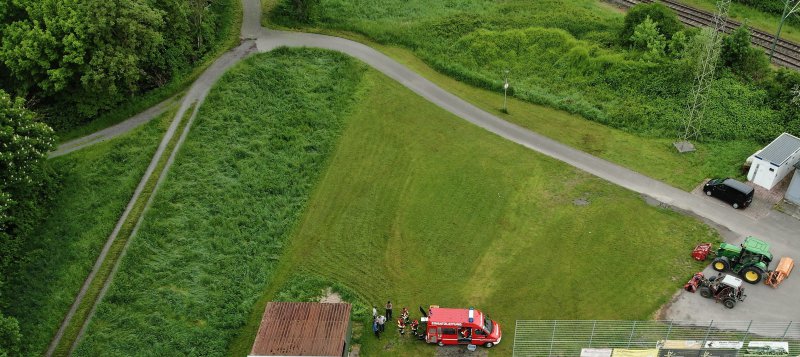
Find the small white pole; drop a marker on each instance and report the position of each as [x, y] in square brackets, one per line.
[505, 91]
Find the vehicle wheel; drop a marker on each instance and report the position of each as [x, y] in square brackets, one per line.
[708, 193]
[729, 302]
[735, 205]
[705, 292]
[488, 345]
[751, 275]
[441, 344]
[720, 264]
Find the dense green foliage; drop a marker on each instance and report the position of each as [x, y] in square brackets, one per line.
[421, 207]
[565, 54]
[74, 68]
[742, 58]
[665, 20]
[219, 222]
[25, 186]
[58, 253]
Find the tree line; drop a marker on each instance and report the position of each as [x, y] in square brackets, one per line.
[63, 63]
[74, 60]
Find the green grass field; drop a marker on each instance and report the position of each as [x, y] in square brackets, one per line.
[424, 208]
[218, 224]
[96, 184]
[413, 205]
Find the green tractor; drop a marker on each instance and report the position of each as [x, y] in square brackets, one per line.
[750, 260]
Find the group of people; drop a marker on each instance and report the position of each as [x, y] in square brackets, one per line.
[403, 321]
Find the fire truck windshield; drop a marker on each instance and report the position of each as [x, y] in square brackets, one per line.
[488, 325]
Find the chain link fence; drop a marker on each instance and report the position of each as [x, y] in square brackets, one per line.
[538, 338]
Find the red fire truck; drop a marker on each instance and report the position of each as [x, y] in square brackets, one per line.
[461, 327]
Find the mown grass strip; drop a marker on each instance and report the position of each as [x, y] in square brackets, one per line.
[83, 314]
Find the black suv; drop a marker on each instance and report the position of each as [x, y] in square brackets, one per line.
[729, 190]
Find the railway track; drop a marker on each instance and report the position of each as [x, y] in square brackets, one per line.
[787, 54]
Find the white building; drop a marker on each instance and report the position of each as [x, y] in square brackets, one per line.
[772, 163]
[793, 192]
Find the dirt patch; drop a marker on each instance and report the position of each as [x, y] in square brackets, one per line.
[331, 297]
[456, 351]
[583, 201]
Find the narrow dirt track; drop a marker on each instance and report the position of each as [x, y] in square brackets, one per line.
[781, 231]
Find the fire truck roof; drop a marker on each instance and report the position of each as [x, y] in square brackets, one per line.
[440, 315]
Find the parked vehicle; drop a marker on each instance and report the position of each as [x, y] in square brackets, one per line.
[461, 327]
[750, 260]
[726, 289]
[736, 193]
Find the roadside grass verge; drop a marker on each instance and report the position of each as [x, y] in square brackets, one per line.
[419, 207]
[71, 334]
[653, 157]
[206, 249]
[96, 184]
[231, 22]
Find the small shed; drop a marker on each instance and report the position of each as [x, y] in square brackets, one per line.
[304, 329]
[793, 192]
[772, 163]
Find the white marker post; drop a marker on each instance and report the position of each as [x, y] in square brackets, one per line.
[505, 92]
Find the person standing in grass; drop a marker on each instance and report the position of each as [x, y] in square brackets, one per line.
[375, 328]
[389, 310]
[374, 312]
[381, 323]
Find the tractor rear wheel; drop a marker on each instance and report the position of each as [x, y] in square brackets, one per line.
[721, 264]
[705, 292]
[729, 302]
[752, 275]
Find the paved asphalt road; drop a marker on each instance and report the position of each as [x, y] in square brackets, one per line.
[763, 303]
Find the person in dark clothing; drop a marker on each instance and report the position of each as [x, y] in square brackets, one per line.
[375, 328]
[389, 310]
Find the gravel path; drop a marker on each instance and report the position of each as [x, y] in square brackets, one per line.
[783, 232]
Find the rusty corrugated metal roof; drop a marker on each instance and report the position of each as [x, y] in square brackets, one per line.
[302, 329]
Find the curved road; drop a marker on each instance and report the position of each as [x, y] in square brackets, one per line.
[781, 231]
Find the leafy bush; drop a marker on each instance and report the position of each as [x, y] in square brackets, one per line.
[665, 19]
[646, 37]
[742, 58]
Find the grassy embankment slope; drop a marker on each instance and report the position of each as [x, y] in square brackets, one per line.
[640, 99]
[96, 184]
[414, 205]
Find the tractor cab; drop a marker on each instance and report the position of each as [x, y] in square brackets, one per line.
[750, 260]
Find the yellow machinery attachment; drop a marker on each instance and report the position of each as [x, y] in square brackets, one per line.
[775, 277]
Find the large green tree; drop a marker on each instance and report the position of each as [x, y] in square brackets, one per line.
[73, 60]
[92, 51]
[24, 144]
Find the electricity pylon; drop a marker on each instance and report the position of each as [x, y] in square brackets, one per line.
[789, 8]
[704, 77]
